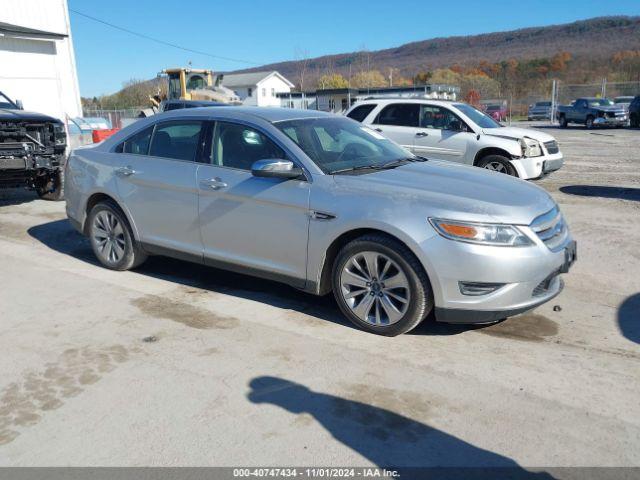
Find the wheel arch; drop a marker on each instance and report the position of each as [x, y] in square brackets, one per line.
[323, 286]
[98, 197]
[484, 152]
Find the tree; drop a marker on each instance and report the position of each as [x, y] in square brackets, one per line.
[481, 84]
[422, 77]
[472, 98]
[445, 75]
[334, 80]
[368, 79]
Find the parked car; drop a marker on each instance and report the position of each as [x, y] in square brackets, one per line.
[592, 112]
[32, 150]
[539, 111]
[624, 100]
[496, 111]
[324, 204]
[461, 133]
[168, 105]
[634, 112]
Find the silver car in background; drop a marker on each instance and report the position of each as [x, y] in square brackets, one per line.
[324, 204]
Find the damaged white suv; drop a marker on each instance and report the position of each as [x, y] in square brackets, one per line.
[458, 132]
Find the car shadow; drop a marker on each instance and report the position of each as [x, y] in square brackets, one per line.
[60, 236]
[623, 193]
[385, 438]
[629, 318]
[16, 196]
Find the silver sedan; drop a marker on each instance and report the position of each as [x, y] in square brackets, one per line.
[324, 204]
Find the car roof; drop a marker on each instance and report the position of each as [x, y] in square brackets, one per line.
[269, 114]
[406, 100]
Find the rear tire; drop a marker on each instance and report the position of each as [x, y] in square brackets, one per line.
[359, 274]
[498, 163]
[112, 239]
[563, 121]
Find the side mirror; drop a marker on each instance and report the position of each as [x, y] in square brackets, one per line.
[19, 105]
[275, 168]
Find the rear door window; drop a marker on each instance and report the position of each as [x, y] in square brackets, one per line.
[400, 114]
[360, 113]
[138, 143]
[178, 140]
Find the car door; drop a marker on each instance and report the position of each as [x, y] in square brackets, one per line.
[579, 114]
[442, 135]
[256, 223]
[399, 122]
[157, 184]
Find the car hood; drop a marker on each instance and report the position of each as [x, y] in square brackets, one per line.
[609, 108]
[456, 191]
[516, 133]
[21, 115]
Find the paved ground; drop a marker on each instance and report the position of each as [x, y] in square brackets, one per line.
[176, 364]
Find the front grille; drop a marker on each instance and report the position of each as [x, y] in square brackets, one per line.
[552, 147]
[551, 229]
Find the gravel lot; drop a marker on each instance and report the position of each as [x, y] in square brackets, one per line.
[176, 364]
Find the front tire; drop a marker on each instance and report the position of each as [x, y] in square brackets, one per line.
[52, 188]
[498, 163]
[589, 123]
[380, 285]
[112, 239]
[634, 122]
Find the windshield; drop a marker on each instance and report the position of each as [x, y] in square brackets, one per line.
[600, 102]
[340, 144]
[623, 99]
[543, 104]
[6, 103]
[479, 118]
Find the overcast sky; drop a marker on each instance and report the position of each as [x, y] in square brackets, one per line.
[254, 32]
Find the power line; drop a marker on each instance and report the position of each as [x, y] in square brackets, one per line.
[173, 45]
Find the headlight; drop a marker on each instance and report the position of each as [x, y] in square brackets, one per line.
[481, 233]
[59, 134]
[530, 147]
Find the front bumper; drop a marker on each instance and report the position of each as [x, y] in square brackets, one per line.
[534, 167]
[530, 277]
[612, 121]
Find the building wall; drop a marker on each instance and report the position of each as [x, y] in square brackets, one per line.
[267, 89]
[40, 72]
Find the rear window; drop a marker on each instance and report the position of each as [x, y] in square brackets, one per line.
[361, 112]
[178, 140]
[400, 114]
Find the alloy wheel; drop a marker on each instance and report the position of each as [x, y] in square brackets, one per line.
[496, 167]
[108, 236]
[375, 288]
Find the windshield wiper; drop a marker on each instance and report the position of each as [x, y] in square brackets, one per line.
[384, 166]
[359, 167]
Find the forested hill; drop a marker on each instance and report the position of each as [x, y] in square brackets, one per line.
[596, 39]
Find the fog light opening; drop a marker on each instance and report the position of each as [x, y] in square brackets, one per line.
[476, 289]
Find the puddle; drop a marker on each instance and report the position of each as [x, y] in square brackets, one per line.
[184, 313]
[529, 328]
[24, 403]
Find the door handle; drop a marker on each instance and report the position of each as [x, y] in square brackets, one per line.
[125, 171]
[214, 183]
[378, 130]
[422, 134]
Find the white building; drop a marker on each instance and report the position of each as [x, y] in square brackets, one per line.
[37, 62]
[258, 88]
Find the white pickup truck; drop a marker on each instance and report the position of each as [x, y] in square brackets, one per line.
[458, 132]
